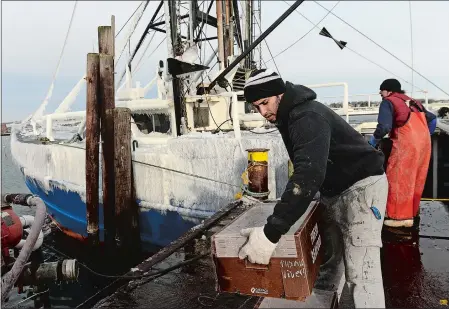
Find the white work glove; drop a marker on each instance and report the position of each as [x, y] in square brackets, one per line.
[259, 248]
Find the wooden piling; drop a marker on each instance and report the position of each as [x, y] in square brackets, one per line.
[92, 148]
[107, 99]
[126, 209]
[105, 40]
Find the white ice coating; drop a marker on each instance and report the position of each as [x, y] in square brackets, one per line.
[215, 156]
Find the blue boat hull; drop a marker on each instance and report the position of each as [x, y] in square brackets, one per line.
[69, 211]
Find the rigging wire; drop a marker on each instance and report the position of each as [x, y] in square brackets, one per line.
[143, 54]
[40, 111]
[269, 49]
[132, 31]
[154, 50]
[128, 20]
[413, 70]
[261, 57]
[350, 49]
[314, 26]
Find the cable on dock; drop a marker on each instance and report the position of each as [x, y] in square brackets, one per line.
[149, 276]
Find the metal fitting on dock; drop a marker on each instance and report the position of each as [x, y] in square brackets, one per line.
[61, 271]
[258, 173]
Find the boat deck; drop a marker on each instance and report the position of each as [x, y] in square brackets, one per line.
[414, 264]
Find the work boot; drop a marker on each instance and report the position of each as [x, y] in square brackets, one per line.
[398, 223]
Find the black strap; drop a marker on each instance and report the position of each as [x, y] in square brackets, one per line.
[414, 104]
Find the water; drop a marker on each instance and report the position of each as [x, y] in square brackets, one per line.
[12, 178]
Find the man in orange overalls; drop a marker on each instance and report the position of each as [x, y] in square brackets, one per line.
[408, 124]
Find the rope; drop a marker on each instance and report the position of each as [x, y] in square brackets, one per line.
[40, 111]
[187, 174]
[436, 199]
[255, 194]
[167, 169]
[263, 132]
[31, 297]
[413, 70]
[242, 187]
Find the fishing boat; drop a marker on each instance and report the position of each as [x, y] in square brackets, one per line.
[190, 141]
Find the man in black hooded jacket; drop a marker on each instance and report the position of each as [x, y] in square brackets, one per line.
[328, 156]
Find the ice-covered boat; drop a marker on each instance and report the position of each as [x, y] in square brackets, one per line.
[183, 172]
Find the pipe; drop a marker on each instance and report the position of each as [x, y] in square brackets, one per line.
[10, 278]
[235, 116]
[256, 42]
[17, 198]
[37, 245]
[61, 271]
[26, 220]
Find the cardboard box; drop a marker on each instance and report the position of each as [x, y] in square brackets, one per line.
[293, 268]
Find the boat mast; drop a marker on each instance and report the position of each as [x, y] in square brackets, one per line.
[257, 19]
[221, 51]
[248, 50]
[174, 48]
[248, 32]
[228, 31]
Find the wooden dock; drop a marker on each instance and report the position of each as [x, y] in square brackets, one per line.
[413, 263]
[194, 285]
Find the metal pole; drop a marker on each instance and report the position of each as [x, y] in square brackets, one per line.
[255, 43]
[168, 29]
[219, 4]
[191, 21]
[435, 168]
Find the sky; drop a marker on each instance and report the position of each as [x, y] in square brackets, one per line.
[33, 34]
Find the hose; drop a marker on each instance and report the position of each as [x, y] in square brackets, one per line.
[10, 278]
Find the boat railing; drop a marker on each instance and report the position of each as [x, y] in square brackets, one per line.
[345, 94]
[369, 108]
[50, 118]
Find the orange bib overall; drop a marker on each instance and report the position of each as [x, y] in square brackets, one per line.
[407, 165]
